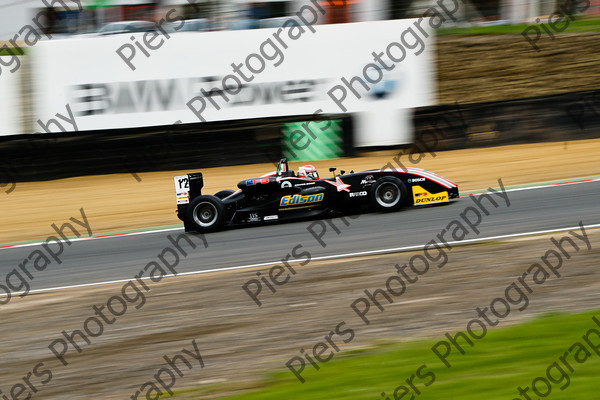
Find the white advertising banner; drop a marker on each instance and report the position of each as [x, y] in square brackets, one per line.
[10, 98]
[373, 70]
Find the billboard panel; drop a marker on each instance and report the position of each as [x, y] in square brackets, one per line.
[10, 98]
[122, 81]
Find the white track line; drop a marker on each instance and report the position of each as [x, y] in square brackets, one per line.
[549, 185]
[82, 239]
[331, 257]
[120, 235]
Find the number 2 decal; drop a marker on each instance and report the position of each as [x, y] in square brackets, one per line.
[184, 183]
[182, 187]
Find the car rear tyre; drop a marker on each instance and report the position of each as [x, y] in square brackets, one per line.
[206, 213]
[388, 194]
[224, 193]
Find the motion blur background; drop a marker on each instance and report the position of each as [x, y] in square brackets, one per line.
[515, 78]
[241, 14]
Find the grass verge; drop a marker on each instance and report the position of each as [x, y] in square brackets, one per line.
[582, 25]
[12, 51]
[493, 368]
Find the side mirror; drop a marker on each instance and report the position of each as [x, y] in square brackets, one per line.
[332, 169]
[342, 172]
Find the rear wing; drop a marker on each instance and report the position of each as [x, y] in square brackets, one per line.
[188, 187]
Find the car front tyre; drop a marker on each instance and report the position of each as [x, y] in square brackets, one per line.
[388, 194]
[206, 213]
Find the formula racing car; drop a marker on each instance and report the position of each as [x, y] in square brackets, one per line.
[285, 196]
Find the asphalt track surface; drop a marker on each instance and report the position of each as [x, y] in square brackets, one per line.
[121, 258]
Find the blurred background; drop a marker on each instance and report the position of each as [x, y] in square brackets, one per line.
[241, 14]
[515, 77]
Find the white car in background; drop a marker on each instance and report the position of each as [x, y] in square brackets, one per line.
[115, 28]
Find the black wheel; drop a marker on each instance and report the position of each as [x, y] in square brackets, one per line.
[224, 193]
[206, 213]
[388, 194]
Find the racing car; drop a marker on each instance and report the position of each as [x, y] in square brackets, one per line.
[285, 196]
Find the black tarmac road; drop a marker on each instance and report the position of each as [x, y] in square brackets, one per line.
[123, 257]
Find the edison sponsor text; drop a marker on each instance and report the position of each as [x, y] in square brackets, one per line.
[299, 199]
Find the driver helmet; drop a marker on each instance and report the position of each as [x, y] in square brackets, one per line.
[308, 172]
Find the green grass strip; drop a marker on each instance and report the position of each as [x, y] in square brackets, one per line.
[504, 359]
[583, 25]
[12, 51]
